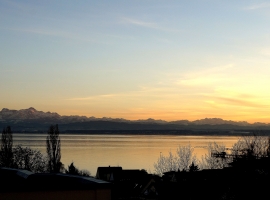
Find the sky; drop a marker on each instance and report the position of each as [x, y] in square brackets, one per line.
[137, 59]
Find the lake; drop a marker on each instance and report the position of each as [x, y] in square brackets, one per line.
[128, 151]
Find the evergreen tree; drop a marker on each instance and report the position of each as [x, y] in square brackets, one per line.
[193, 167]
[72, 169]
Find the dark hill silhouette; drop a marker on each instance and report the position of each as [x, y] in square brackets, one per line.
[31, 120]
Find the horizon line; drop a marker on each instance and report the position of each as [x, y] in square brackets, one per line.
[140, 119]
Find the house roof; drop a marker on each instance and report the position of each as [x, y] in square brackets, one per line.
[65, 181]
[4, 171]
[109, 173]
[15, 180]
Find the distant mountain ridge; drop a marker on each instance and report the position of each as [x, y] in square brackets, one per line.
[26, 114]
[32, 114]
[34, 120]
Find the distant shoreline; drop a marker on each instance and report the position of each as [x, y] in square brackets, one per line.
[158, 132]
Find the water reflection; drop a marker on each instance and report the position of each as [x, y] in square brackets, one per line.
[129, 151]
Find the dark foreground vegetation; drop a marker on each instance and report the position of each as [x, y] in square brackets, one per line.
[241, 172]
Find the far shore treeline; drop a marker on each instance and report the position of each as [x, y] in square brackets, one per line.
[139, 129]
[157, 132]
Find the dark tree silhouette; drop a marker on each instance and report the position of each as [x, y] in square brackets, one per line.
[29, 159]
[6, 155]
[72, 169]
[211, 162]
[54, 149]
[84, 172]
[193, 167]
[252, 152]
[75, 171]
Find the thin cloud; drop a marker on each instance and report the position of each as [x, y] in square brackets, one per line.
[54, 33]
[38, 31]
[212, 70]
[258, 6]
[143, 92]
[91, 97]
[146, 24]
[139, 23]
[235, 98]
[206, 76]
[239, 102]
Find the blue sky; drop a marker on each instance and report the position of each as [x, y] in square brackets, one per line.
[137, 59]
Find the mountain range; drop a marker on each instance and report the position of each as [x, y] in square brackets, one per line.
[32, 120]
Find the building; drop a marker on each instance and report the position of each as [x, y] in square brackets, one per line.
[22, 184]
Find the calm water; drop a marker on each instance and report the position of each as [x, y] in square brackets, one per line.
[128, 151]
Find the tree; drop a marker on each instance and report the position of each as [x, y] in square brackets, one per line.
[29, 159]
[252, 152]
[75, 171]
[6, 155]
[84, 172]
[54, 149]
[72, 169]
[247, 152]
[251, 147]
[185, 157]
[193, 167]
[165, 164]
[181, 161]
[209, 161]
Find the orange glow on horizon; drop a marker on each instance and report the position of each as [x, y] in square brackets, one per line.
[167, 116]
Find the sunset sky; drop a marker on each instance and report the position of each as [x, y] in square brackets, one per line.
[137, 59]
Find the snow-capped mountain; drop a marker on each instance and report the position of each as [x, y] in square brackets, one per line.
[26, 114]
[218, 121]
[33, 114]
[32, 120]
